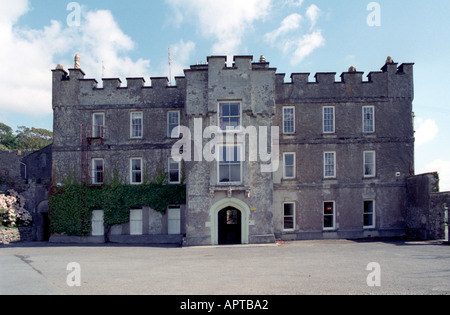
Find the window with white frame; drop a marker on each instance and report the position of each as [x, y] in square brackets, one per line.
[329, 218]
[289, 166]
[98, 125]
[136, 171]
[289, 216]
[97, 171]
[174, 220]
[98, 227]
[329, 119]
[329, 165]
[289, 120]
[174, 171]
[369, 164]
[368, 119]
[229, 164]
[136, 125]
[173, 121]
[229, 115]
[369, 214]
[136, 222]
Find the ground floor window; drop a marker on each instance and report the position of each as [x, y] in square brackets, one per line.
[329, 215]
[98, 228]
[289, 216]
[369, 214]
[174, 220]
[136, 222]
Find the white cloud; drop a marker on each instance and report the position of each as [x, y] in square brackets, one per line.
[294, 3]
[102, 42]
[224, 21]
[27, 55]
[290, 23]
[426, 131]
[443, 168]
[294, 44]
[313, 13]
[300, 48]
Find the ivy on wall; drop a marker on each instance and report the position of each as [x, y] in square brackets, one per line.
[71, 205]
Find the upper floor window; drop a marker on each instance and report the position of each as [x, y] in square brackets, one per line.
[173, 121]
[369, 164]
[329, 119]
[289, 166]
[136, 171]
[136, 123]
[230, 166]
[97, 171]
[98, 125]
[229, 116]
[289, 120]
[329, 164]
[174, 172]
[368, 119]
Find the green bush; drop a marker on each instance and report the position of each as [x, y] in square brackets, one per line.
[71, 205]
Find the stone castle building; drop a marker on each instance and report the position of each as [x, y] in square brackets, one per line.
[340, 157]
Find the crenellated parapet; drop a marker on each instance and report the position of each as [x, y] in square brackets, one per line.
[255, 84]
[392, 81]
[71, 88]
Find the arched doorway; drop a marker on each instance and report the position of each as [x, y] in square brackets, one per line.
[243, 214]
[43, 222]
[230, 226]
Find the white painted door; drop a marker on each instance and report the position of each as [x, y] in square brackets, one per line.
[174, 220]
[98, 228]
[136, 223]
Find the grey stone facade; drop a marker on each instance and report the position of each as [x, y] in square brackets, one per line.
[352, 143]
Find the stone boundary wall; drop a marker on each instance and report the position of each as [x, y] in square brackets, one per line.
[425, 208]
[8, 236]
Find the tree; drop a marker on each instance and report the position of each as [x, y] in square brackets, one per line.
[24, 139]
[8, 141]
[31, 139]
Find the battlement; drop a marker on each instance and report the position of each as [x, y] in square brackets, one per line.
[391, 81]
[72, 88]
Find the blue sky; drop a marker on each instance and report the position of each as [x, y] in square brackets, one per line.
[132, 38]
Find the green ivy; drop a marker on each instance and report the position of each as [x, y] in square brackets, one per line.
[71, 205]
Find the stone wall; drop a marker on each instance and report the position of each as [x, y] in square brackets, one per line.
[8, 236]
[10, 170]
[425, 208]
